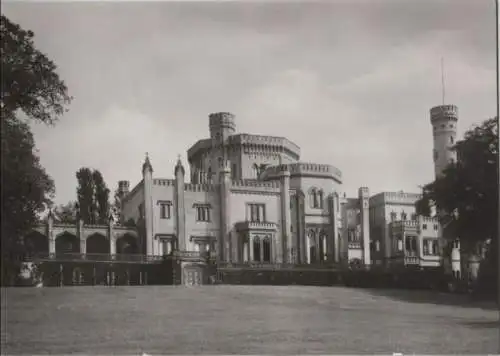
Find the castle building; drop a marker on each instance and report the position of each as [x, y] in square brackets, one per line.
[249, 199]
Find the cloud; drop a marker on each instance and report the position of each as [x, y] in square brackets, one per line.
[351, 82]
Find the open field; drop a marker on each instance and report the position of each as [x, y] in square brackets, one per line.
[241, 319]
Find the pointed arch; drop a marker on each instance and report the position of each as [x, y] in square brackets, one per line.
[320, 199]
[266, 249]
[66, 242]
[256, 248]
[97, 243]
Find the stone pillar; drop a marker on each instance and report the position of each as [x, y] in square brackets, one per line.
[325, 247]
[147, 174]
[169, 247]
[246, 253]
[180, 210]
[364, 196]
[112, 240]
[224, 252]
[261, 246]
[250, 244]
[284, 242]
[301, 227]
[50, 235]
[308, 249]
[333, 246]
[83, 245]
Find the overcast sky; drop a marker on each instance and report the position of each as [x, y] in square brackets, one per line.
[351, 82]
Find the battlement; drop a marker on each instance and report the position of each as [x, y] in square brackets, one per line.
[397, 198]
[363, 192]
[222, 119]
[278, 144]
[404, 224]
[165, 182]
[255, 184]
[303, 169]
[188, 187]
[444, 112]
[428, 220]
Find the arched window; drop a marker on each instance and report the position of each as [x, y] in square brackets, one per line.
[320, 199]
[256, 249]
[452, 140]
[403, 216]
[313, 198]
[266, 249]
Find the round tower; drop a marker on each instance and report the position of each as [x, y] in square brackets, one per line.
[444, 120]
[221, 128]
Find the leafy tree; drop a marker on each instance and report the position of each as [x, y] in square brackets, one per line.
[85, 195]
[29, 83]
[29, 79]
[466, 196]
[26, 189]
[101, 199]
[66, 214]
[93, 196]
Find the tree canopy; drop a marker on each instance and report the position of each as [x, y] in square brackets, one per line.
[29, 79]
[467, 194]
[29, 84]
[93, 196]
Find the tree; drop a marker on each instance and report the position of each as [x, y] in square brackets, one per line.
[29, 83]
[85, 195]
[26, 190]
[93, 196]
[101, 199]
[29, 79]
[466, 197]
[66, 214]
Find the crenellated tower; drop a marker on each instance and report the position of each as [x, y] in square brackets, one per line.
[221, 126]
[444, 120]
[364, 196]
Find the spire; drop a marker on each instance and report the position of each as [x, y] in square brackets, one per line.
[147, 165]
[179, 166]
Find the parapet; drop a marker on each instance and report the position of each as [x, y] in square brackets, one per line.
[188, 187]
[398, 198]
[304, 169]
[222, 119]
[364, 192]
[277, 144]
[444, 112]
[164, 182]
[256, 186]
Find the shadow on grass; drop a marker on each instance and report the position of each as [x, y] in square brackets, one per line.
[434, 297]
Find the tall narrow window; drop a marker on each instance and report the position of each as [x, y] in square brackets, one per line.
[320, 199]
[256, 249]
[165, 209]
[202, 212]
[266, 249]
[393, 216]
[257, 212]
[403, 216]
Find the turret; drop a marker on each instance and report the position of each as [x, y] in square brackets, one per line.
[364, 196]
[286, 218]
[444, 120]
[180, 213]
[147, 174]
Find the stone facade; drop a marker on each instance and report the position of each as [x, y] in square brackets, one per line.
[249, 199]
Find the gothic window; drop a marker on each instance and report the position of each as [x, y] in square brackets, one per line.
[202, 212]
[393, 216]
[319, 199]
[403, 216]
[257, 212]
[256, 249]
[234, 171]
[313, 198]
[266, 249]
[436, 227]
[424, 226]
[451, 139]
[165, 209]
[414, 216]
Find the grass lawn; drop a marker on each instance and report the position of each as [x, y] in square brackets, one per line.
[240, 319]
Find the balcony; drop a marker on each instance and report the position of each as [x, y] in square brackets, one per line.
[256, 225]
[411, 260]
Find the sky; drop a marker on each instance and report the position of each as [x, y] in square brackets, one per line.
[351, 82]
